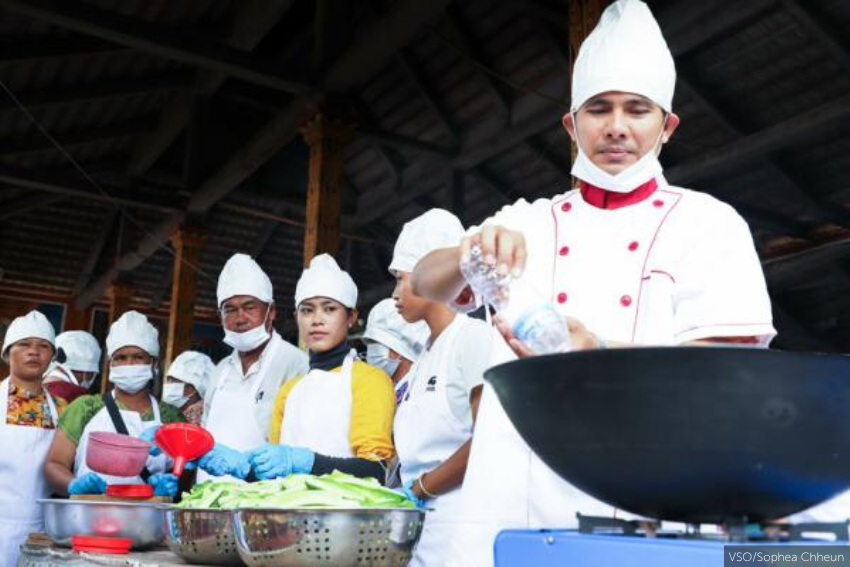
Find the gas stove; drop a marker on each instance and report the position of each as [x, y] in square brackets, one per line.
[737, 531]
[607, 542]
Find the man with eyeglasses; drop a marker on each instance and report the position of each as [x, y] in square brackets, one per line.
[240, 397]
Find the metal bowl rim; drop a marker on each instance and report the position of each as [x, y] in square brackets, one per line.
[371, 510]
[67, 502]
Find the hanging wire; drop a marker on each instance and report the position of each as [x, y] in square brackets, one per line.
[125, 214]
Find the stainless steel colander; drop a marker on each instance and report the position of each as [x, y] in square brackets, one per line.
[362, 537]
[202, 535]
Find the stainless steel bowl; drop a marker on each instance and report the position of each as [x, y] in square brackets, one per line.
[358, 537]
[202, 535]
[141, 521]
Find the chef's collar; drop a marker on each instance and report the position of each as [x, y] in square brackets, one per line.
[330, 359]
[609, 200]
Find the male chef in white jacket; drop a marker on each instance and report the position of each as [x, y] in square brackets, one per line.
[628, 257]
[240, 396]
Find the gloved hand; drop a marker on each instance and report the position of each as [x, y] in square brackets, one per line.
[407, 490]
[271, 461]
[222, 460]
[148, 435]
[163, 484]
[89, 483]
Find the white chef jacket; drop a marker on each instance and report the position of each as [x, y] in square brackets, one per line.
[675, 267]
[278, 362]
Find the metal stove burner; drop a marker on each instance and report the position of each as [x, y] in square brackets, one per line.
[733, 531]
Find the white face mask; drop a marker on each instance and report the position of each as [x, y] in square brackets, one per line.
[131, 378]
[173, 393]
[249, 340]
[646, 168]
[87, 383]
[378, 355]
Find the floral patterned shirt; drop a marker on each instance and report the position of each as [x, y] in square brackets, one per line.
[26, 409]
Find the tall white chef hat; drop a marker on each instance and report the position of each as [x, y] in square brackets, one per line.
[430, 231]
[33, 325]
[194, 368]
[241, 275]
[81, 349]
[386, 326]
[625, 52]
[324, 278]
[133, 329]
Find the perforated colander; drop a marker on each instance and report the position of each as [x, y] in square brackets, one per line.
[202, 536]
[359, 537]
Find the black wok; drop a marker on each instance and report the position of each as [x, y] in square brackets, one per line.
[688, 434]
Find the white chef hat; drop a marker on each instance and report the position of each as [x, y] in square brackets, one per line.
[625, 52]
[133, 329]
[324, 278]
[430, 231]
[241, 275]
[386, 326]
[33, 325]
[82, 352]
[194, 368]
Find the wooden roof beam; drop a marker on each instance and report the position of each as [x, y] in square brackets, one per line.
[83, 93]
[785, 270]
[374, 204]
[399, 142]
[26, 203]
[371, 50]
[687, 85]
[40, 48]
[821, 30]
[96, 250]
[58, 185]
[90, 20]
[252, 23]
[460, 35]
[761, 143]
[39, 143]
[405, 61]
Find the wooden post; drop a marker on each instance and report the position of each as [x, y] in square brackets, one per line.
[120, 293]
[76, 319]
[327, 136]
[188, 243]
[584, 15]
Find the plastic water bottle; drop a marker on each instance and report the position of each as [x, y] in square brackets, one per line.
[532, 319]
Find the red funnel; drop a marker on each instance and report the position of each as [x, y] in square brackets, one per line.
[183, 442]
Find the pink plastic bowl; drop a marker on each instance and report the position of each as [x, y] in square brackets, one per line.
[115, 454]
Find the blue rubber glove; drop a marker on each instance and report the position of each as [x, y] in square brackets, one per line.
[163, 484]
[272, 461]
[148, 435]
[89, 483]
[223, 460]
[407, 490]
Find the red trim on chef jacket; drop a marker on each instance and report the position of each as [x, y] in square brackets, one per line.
[604, 199]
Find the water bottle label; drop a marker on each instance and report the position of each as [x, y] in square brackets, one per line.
[536, 321]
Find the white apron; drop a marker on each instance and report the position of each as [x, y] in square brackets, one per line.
[22, 480]
[133, 420]
[635, 274]
[231, 422]
[426, 433]
[317, 414]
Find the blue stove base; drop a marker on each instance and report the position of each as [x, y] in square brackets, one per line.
[566, 548]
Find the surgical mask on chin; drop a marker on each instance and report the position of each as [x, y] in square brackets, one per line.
[378, 355]
[249, 340]
[646, 168]
[131, 378]
[173, 393]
